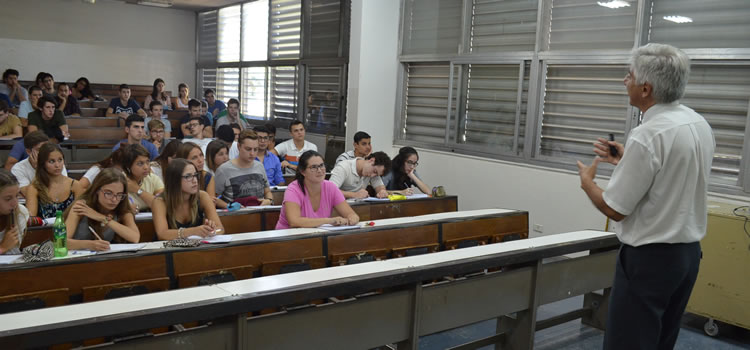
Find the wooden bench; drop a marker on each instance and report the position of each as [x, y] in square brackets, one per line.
[93, 112]
[34, 300]
[94, 122]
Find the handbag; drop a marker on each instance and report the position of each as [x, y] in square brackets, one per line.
[438, 191]
[44, 251]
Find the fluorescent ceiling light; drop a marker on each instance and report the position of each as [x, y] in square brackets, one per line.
[678, 19]
[155, 3]
[614, 4]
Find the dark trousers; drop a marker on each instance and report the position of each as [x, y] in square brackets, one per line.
[649, 295]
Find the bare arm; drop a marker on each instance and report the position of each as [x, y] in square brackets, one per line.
[356, 195]
[31, 128]
[111, 113]
[345, 210]
[17, 132]
[32, 199]
[594, 192]
[295, 218]
[142, 113]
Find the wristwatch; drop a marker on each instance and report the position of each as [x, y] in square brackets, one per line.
[105, 221]
[140, 191]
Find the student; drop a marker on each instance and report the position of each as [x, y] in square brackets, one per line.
[271, 136]
[17, 153]
[143, 186]
[35, 93]
[82, 90]
[362, 147]
[48, 85]
[156, 112]
[183, 97]
[134, 128]
[290, 150]
[124, 106]
[310, 198]
[48, 119]
[10, 86]
[156, 134]
[39, 81]
[103, 207]
[13, 216]
[354, 175]
[114, 160]
[217, 153]
[243, 179]
[269, 160]
[193, 112]
[10, 125]
[51, 190]
[214, 106]
[183, 210]
[158, 94]
[193, 153]
[160, 163]
[66, 102]
[403, 175]
[196, 128]
[232, 115]
[25, 170]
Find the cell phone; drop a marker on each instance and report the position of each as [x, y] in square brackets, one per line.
[612, 149]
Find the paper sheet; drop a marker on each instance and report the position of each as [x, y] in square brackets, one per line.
[213, 239]
[330, 227]
[418, 195]
[374, 199]
[8, 259]
[124, 247]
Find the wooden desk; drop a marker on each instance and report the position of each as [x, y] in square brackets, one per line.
[93, 122]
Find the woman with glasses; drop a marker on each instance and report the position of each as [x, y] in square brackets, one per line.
[403, 175]
[183, 210]
[193, 154]
[310, 199]
[101, 214]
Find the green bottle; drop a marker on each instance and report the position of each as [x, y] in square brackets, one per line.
[60, 236]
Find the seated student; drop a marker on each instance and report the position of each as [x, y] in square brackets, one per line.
[17, 153]
[156, 134]
[156, 112]
[103, 207]
[217, 153]
[354, 175]
[82, 90]
[124, 106]
[114, 160]
[13, 216]
[290, 150]
[49, 120]
[134, 128]
[51, 190]
[269, 160]
[183, 96]
[35, 93]
[195, 128]
[214, 106]
[25, 170]
[160, 163]
[271, 136]
[10, 86]
[204, 111]
[310, 198]
[39, 80]
[403, 175]
[66, 102]
[183, 210]
[243, 179]
[47, 84]
[232, 115]
[158, 94]
[143, 186]
[362, 147]
[195, 112]
[10, 125]
[194, 154]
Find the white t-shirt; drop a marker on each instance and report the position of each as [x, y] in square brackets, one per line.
[92, 172]
[289, 152]
[234, 152]
[24, 172]
[661, 182]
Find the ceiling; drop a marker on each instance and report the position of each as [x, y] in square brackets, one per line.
[196, 5]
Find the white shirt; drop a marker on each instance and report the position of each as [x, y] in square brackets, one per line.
[203, 143]
[234, 152]
[91, 173]
[661, 182]
[345, 156]
[24, 172]
[290, 153]
[345, 176]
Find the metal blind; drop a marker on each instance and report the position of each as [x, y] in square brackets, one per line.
[428, 104]
[581, 104]
[586, 24]
[433, 26]
[325, 28]
[207, 36]
[721, 93]
[285, 29]
[227, 83]
[324, 86]
[496, 101]
[255, 31]
[208, 79]
[283, 92]
[254, 92]
[713, 24]
[498, 25]
[230, 23]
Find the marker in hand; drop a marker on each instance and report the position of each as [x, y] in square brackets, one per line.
[612, 149]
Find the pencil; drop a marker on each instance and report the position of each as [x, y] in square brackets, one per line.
[94, 232]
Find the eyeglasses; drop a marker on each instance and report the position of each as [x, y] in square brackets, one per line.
[264, 138]
[412, 163]
[317, 167]
[189, 177]
[193, 125]
[157, 131]
[109, 195]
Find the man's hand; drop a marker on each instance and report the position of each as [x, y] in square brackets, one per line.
[382, 194]
[601, 149]
[361, 194]
[123, 115]
[587, 173]
[284, 164]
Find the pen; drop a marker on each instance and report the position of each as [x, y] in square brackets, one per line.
[94, 232]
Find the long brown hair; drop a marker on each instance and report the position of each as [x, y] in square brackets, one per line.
[42, 178]
[183, 152]
[130, 154]
[211, 150]
[169, 151]
[172, 194]
[105, 177]
[6, 180]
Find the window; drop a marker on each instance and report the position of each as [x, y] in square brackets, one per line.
[538, 81]
[256, 52]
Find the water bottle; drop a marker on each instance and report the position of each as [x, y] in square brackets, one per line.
[60, 236]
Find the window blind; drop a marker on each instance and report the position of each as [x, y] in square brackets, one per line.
[581, 104]
[230, 22]
[427, 102]
[208, 79]
[433, 26]
[255, 31]
[324, 86]
[325, 28]
[498, 25]
[227, 83]
[254, 92]
[712, 24]
[283, 92]
[285, 29]
[585, 24]
[207, 36]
